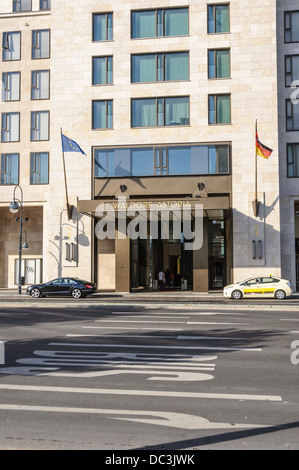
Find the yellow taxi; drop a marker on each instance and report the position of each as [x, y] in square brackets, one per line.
[261, 286]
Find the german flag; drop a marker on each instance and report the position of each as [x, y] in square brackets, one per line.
[261, 149]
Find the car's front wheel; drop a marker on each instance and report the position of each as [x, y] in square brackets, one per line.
[280, 294]
[35, 293]
[76, 293]
[236, 294]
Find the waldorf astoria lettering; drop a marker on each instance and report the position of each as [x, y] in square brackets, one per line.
[137, 219]
[173, 204]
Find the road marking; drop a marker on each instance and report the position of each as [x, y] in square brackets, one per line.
[214, 323]
[176, 420]
[149, 393]
[135, 321]
[128, 328]
[215, 348]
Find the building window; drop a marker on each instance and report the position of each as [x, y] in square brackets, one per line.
[9, 168]
[291, 69]
[219, 63]
[102, 115]
[293, 160]
[40, 125]
[219, 109]
[291, 26]
[45, 4]
[10, 127]
[102, 70]
[292, 116]
[218, 18]
[11, 86]
[151, 112]
[40, 84]
[21, 5]
[41, 44]
[162, 160]
[31, 270]
[160, 67]
[39, 168]
[11, 46]
[159, 23]
[102, 27]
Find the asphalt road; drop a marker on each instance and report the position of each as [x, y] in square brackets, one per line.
[154, 378]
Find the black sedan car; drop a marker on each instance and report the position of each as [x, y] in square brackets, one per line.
[63, 286]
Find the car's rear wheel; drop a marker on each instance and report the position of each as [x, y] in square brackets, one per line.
[76, 293]
[236, 294]
[280, 294]
[35, 293]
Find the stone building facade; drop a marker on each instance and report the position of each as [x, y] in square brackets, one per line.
[163, 98]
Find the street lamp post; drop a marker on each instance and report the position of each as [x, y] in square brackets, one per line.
[14, 206]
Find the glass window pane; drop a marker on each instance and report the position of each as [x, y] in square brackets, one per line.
[222, 19]
[142, 161]
[176, 22]
[99, 114]
[211, 19]
[179, 161]
[176, 111]
[11, 43]
[223, 63]
[295, 26]
[212, 65]
[177, 66]
[223, 109]
[295, 68]
[100, 163]
[144, 68]
[143, 24]
[100, 71]
[99, 27]
[144, 113]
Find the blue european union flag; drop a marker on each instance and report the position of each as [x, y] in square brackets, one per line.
[69, 145]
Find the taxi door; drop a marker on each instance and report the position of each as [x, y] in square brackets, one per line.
[253, 288]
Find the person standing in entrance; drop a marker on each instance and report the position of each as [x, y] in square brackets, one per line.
[161, 278]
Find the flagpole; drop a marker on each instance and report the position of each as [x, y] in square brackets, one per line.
[68, 207]
[255, 202]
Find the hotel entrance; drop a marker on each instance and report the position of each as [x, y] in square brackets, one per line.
[149, 257]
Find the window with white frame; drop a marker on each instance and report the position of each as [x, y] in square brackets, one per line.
[10, 127]
[11, 45]
[41, 44]
[40, 125]
[11, 86]
[40, 84]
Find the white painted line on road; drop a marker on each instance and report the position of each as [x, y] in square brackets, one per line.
[153, 347]
[137, 321]
[150, 393]
[214, 323]
[215, 338]
[127, 328]
[294, 331]
[176, 420]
